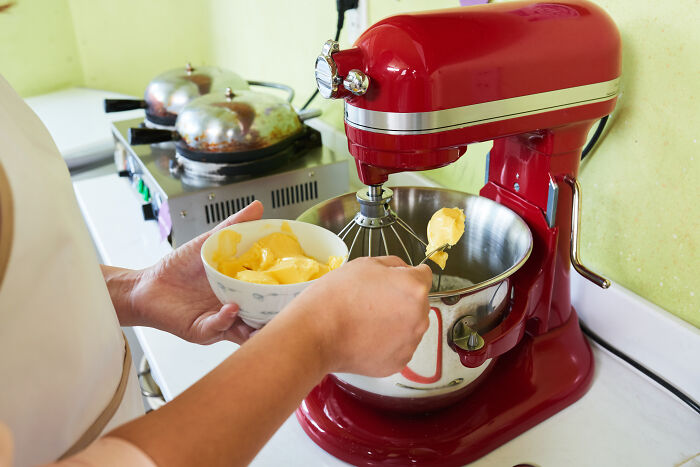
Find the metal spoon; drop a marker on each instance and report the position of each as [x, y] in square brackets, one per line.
[446, 246]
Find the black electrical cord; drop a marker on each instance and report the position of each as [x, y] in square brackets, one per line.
[343, 6]
[315, 93]
[595, 137]
[647, 372]
[310, 99]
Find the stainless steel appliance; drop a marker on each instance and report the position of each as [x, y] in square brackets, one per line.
[169, 92]
[186, 204]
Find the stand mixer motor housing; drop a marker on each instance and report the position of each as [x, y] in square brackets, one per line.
[534, 77]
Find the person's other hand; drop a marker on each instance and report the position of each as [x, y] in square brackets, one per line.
[174, 295]
[369, 315]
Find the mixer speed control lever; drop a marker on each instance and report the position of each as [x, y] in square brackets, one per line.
[356, 82]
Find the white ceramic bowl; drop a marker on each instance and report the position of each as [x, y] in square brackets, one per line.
[259, 303]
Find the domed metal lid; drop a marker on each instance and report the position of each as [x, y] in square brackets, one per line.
[231, 122]
[169, 92]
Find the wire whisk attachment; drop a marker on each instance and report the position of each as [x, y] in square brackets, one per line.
[376, 230]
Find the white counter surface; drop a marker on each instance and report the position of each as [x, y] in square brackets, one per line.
[78, 124]
[624, 420]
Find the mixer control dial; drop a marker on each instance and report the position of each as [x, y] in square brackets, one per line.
[356, 82]
[327, 78]
[330, 47]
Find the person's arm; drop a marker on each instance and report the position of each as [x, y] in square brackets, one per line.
[120, 282]
[225, 418]
[174, 294]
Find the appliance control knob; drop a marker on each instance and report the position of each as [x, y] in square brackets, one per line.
[148, 212]
[330, 47]
[356, 82]
[327, 79]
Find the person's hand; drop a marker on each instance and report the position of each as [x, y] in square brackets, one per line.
[369, 315]
[174, 295]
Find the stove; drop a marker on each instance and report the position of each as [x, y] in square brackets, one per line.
[189, 199]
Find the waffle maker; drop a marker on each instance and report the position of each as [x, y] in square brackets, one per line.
[229, 149]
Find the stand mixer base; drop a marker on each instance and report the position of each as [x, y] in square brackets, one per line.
[533, 381]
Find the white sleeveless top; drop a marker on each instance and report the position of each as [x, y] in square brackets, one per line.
[61, 348]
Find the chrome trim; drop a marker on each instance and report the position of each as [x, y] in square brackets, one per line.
[464, 337]
[330, 47]
[597, 279]
[454, 382]
[486, 170]
[280, 86]
[404, 123]
[327, 79]
[356, 82]
[552, 202]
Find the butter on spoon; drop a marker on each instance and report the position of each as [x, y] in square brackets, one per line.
[446, 227]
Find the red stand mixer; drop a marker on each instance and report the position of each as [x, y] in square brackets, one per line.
[418, 88]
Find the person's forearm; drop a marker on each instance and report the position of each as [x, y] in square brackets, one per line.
[120, 283]
[226, 417]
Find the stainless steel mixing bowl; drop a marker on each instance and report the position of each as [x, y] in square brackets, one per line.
[496, 243]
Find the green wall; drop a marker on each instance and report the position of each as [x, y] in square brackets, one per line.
[38, 50]
[123, 44]
[641, 215]
[641, 188]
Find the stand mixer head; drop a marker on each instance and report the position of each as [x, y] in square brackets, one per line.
[419, 88]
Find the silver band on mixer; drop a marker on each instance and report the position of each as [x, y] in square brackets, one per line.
[407, 123]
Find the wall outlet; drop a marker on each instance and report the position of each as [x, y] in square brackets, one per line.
[356, 21]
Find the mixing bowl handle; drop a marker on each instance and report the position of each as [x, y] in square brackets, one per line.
[497, 341]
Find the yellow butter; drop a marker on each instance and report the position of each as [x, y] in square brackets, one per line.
[228, 242]
[276, 258]
[230, 267]
[335, 262]
[257, 277]
[281, 245]
[445, 226]
[294, 269]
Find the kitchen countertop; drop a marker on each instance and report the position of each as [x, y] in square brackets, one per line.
[625, 418]
[78, 124]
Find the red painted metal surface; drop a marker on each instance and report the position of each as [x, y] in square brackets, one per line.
[531, 160]
[436, 60]
[439, 60]
[536, 379]
[378, 154]
[500, 339]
